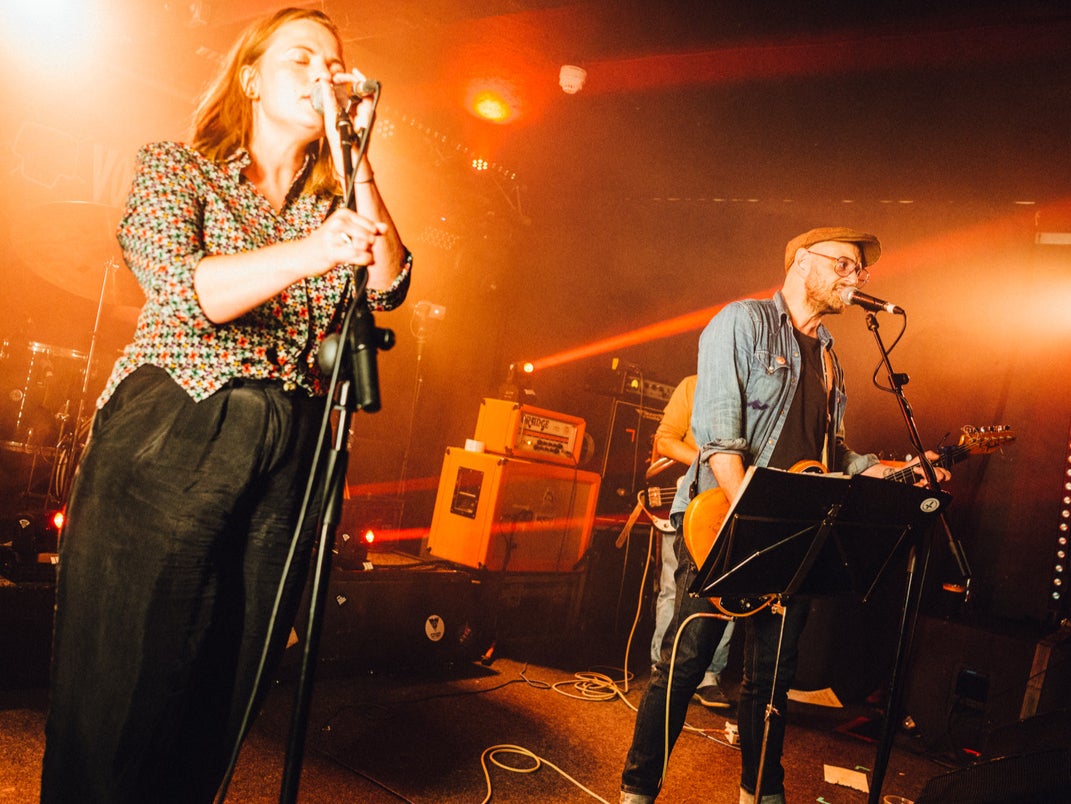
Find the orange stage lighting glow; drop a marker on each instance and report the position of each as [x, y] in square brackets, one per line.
[652, 332]
[496, 100]
[491, 106]
[964, 243]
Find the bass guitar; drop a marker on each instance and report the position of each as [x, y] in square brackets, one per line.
[705, 515]
[657, 500]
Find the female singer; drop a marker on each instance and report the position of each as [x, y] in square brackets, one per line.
[184, 506]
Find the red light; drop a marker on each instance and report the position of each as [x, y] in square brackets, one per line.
[369, 536]
[57, 519]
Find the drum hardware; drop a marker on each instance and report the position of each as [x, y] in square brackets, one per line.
[35, 385]
[73, 246]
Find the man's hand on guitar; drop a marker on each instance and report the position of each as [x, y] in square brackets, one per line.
[888, 469]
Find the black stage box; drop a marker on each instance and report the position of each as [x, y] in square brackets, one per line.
[25, 633]
[402, 614]
[530, 614]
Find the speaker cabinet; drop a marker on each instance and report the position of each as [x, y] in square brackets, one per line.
[513, 515]
[966, 680]
[629, 444]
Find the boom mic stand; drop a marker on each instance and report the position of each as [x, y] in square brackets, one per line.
[913, 585]
[352, 354]
[351, 357]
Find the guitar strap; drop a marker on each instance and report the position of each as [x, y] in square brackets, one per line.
[693, 487]
[827, 446]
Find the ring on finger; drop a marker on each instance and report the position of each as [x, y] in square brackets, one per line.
[345, 238]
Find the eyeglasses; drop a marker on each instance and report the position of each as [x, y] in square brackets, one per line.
[845, 266]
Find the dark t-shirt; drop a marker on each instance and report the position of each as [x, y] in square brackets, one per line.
[805, 426]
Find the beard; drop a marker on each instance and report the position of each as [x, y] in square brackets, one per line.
[824, 299]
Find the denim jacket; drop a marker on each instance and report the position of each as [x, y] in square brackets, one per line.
[749, 366]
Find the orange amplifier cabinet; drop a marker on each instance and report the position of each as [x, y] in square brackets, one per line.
[524, 431]
[507, 514]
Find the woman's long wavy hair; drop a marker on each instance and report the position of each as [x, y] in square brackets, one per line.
[223, 122]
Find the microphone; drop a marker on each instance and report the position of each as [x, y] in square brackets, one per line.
[871, 303]
[364, 88]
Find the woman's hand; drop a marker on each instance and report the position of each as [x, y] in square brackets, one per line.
[345, 238]
[360, 117]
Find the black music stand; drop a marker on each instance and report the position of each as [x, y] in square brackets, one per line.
[813, 534]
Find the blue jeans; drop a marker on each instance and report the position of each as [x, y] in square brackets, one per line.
[178, 526]
[695, 650]
[666, 602]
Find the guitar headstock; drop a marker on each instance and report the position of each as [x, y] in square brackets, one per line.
[986, 439]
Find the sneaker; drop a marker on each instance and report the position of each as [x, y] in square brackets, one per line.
[712, 696]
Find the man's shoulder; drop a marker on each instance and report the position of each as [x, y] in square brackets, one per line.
[749, 309]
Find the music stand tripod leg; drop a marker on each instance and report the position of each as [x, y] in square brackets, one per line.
[771, 709]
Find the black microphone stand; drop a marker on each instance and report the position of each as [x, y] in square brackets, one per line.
[351, 354]
[913, 584]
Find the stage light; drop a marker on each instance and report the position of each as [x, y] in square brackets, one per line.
[29, 544]
[492, 106]
[56, 34]
[1057, 605]
[352, 553]
[518, 385]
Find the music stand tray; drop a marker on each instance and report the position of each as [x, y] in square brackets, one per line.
[792, 533]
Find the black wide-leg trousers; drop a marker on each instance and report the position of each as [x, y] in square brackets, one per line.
[179, 524]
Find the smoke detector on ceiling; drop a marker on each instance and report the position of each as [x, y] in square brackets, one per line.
[571, 78]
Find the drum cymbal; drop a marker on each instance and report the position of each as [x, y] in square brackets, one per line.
[72, 245]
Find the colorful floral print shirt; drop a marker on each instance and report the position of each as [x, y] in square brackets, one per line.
[183, 207]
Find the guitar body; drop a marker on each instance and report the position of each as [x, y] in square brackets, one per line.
[703, 519]
[706, 513]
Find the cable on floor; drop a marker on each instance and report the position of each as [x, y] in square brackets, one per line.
[489, 756]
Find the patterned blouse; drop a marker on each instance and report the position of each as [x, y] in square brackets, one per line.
[183, 207]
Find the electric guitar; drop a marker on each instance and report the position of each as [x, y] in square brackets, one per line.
[706, 512]
[657, 500]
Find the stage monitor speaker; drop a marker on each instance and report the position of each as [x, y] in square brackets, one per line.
[629, 444]
[25, 633]
[506, 514]
[388, 617]
[1038, 733]
[1043, 777]
[964, 680]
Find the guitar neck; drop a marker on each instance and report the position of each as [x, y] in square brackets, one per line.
[946, 457]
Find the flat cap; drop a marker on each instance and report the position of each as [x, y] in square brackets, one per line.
[867, 243]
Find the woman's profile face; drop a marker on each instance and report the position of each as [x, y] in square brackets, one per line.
[280, 84]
